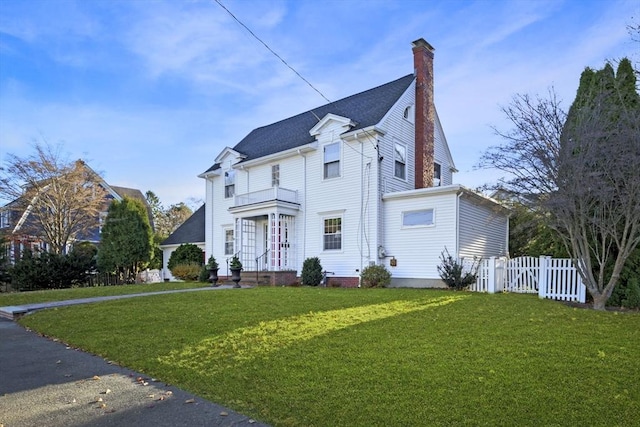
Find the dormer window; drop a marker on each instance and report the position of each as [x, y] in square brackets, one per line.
[229, 183]
[332, 160]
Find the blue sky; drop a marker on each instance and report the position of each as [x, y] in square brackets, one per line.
[149, 91]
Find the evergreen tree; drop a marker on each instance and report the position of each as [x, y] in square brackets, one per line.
[127, 240]
[596, 206]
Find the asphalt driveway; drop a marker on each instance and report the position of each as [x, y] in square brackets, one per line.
[45, 383]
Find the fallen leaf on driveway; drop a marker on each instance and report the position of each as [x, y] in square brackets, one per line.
[190, 401]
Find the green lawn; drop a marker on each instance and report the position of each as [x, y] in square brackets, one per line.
[17, 298]
[383, 357]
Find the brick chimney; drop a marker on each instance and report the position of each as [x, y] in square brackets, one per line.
[425, 113]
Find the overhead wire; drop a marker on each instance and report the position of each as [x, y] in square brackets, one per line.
[367, 133]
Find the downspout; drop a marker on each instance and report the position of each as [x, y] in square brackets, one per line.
[361, 206]
[304, 205]
[379, 202]
[457, 249]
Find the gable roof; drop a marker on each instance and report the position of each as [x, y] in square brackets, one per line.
[364, 109]
[191, 231]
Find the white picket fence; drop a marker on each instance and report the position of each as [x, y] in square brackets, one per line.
[551, 278]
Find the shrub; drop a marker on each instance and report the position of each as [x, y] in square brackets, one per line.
[453, 272]
[212, 264]
[52, 271]
[189, 272]
[186, 253]
[375, 276]
[204, 275]
[311, 272]
[235, 263]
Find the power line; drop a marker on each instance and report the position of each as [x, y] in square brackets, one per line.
[292, 69]
[272, 51]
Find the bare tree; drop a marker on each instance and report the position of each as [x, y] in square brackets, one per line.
[597, 204]
[56, 199]
[530, 150]
[580, 171]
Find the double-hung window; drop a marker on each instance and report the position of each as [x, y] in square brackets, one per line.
[332, 160]
[400, 160]
[275, 175]
[332, 234]
[229, 183]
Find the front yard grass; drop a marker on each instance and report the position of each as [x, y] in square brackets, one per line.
[17, 298]
[376, 357]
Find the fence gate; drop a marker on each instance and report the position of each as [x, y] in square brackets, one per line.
[548, 277]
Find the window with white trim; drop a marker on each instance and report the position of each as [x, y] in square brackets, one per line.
[399, 160]
[408, 113]
[332, 160]
[229, 183]
[419, 218]
[5, 218]
[275, 175]
[437, 175]
[332, 234]
[228, 241]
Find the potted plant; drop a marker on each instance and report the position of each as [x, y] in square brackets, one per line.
[236, 267]
[212, 266]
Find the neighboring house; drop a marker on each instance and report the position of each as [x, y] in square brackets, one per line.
[360, 181]
[17, 226]
[190, 231]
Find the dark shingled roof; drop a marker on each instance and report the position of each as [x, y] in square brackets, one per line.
[365, 109]
[191, 231]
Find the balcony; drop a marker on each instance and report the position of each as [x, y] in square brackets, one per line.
[270, 197]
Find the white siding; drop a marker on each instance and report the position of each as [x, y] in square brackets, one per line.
[417, 249]
[483, 229]
[442, 154]
[352, 196]
[398, 128]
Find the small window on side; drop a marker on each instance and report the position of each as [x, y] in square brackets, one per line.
[400, 161]
[421, 218]
[408, 113]
[437, 175]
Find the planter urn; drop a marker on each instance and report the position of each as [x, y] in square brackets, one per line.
[213, 276]
[235, 277]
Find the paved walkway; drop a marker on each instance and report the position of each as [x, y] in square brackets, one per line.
[13, 312]
[44, 382]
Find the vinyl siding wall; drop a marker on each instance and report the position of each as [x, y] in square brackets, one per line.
[342, 197]
[483, 229]
[417, 249]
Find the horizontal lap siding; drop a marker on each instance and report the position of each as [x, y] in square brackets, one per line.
[397, 128]
[417, 249]
[441, 156]
[483, 230]
[341, 197]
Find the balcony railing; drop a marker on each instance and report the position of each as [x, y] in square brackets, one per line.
[267, 195]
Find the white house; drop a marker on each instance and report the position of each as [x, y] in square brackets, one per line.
[360, 181]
